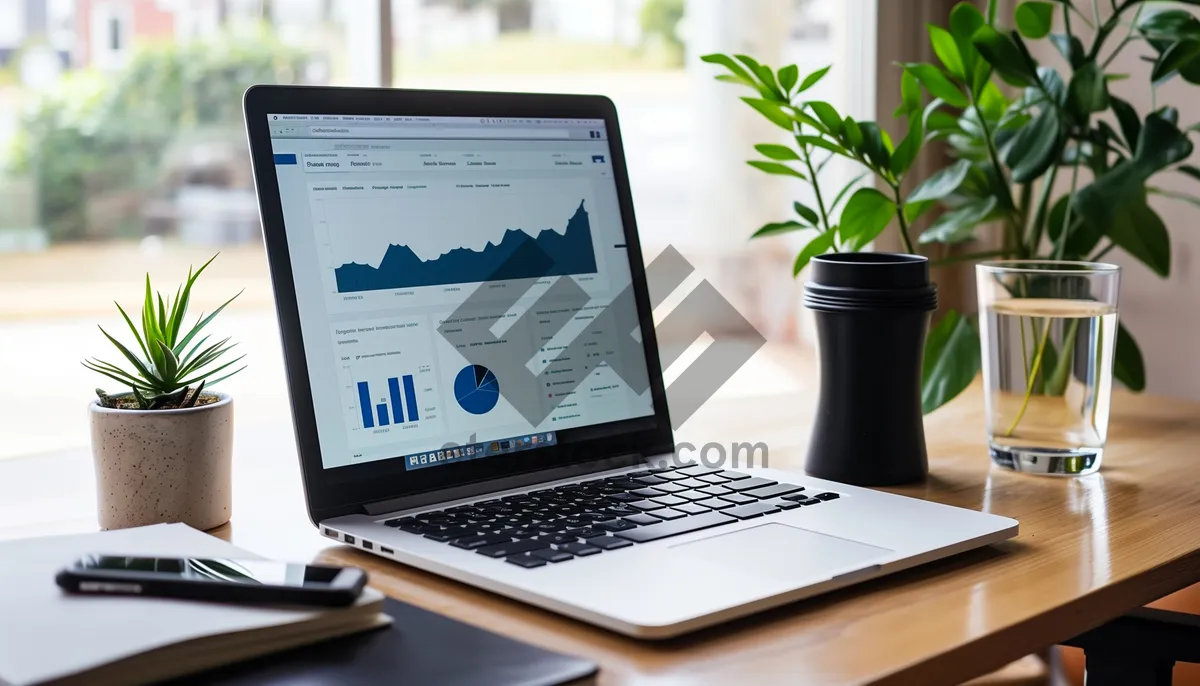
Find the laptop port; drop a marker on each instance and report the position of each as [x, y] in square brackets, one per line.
[331, 533]
[349, 539]
[386, 550]
[367, 545]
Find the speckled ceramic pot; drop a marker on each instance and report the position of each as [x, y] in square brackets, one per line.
[157, 466]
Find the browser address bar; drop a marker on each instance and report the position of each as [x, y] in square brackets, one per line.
[433, 132]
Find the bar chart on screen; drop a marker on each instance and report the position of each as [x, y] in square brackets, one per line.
[395, 408]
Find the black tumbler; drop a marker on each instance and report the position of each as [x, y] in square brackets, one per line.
[872, 312]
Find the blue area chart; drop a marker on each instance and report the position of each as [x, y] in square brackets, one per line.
[476, 389]
[517, 256]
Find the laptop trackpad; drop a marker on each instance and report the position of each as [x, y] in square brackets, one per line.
[784, 552]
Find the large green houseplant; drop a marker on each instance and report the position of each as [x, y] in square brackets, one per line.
[1013, 127]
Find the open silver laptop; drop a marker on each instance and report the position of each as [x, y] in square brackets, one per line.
[475, 380]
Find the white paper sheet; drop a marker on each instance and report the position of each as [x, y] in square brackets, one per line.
[47, 634]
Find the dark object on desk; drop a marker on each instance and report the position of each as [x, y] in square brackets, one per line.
[872, 312]
[420, 647]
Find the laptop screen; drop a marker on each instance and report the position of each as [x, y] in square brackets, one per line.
[463, 284]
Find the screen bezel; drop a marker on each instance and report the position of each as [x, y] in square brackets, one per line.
[346, 490]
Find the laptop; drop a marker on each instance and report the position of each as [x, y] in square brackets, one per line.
[475, 380]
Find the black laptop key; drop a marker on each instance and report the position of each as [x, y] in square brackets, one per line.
[827, 496]
[774, 491]
[698, 470]
[580, 549]
[643, 519]
[512, 547]
[618, 524]
[669, 513]
[620, 510]
[647, 492]
[715, 504]
[609, 542]
[525, 560]
[692, 495]
[586, 532]
[398, 521]
[670, 488]
[642, 534]
[624, 497]
[712, 479]
[738, 498]
[784, 504]
[558, 539]
[671, 476]
[650, 480]
[551, 527]
[648, 505]
[691, 483]
[690, 508]
[798, 495]
[552, 555]
[749, 484]
[473, 542]
[715, 490]
[733, 476]
[450, 534]
[751, 510]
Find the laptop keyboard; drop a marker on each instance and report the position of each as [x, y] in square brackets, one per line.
[559, 524]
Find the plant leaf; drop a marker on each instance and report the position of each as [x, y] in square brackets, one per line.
[727, 62]
[910, 93]
[806, 212]
[202, 323]
[951, 361]
[874, 144]
[812, 79]
[1088, 91]
[817, 246]
[1083, 236]
[170, 367]
[942, 183]
[1139, 231]
[776, 228]
[1173, 59]
[137, 336]
[1005, 57]
[1189, 170]
[959, 225]
[905, 153]
[938, 85]
[787, 77]
[772, 110]
[823, 144]
[965, 20]
[1035, 147]
[1070, 47]
[867, 213]
[777, 152]
[852, 133]
[137, 364]
[828, 116]
[776, 168]
[946, 49]
[1131, 125]
[1034, 19]
[1128, 366]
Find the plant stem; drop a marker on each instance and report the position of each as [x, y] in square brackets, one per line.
[996, 169]
[966, 258]
[1023, 211]
[1066, 227]
[1037, 366]
[812, 175]
[1103, 30]
[1127, 40]
[903, 222]
[1096, 12]
[1024, 355]
[1039, 217]
[1102, 253]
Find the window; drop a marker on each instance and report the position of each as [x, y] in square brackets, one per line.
[126, 154]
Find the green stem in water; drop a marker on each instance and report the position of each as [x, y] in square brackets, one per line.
[1037, 367]
[1057, 383]
[1024, 355]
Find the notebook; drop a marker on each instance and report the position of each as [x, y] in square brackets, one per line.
[48, 637]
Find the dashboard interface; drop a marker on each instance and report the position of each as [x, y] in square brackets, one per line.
[402, 230]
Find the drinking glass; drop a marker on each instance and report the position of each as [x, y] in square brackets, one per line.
[1049, 330]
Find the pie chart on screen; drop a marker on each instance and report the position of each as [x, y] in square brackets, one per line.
[476, 389]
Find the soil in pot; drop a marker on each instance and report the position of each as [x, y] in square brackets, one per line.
[126, 401]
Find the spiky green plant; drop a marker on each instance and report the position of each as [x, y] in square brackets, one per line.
[171, 359]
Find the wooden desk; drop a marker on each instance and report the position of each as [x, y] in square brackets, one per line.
[1090, 549]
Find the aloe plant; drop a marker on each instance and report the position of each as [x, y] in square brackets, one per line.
[172, 357]
[1014, 126]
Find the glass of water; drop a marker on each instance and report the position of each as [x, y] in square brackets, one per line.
[1049, 331]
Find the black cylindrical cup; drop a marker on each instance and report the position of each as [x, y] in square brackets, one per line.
[872, 312]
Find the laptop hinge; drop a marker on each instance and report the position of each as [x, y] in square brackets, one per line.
[502, 484]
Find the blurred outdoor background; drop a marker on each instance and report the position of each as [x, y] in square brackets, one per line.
[122, 151]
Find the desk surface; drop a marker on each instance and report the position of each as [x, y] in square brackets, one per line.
[1089, 549]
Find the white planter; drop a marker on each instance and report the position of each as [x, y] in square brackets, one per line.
[157, 466]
